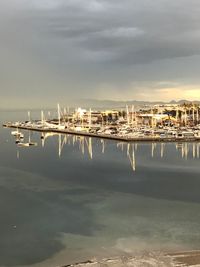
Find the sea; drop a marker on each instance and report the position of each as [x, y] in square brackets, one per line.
[70, 199]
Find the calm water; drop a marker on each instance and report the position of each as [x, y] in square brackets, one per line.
[70, 199]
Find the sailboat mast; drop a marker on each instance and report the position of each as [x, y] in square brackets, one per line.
[193, 117]
[58, 114]
[127, 112]
[29, 116]
[42, 117]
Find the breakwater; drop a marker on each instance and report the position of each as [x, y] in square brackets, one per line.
[124, 138]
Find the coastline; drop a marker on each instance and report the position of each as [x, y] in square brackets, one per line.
[150, 259]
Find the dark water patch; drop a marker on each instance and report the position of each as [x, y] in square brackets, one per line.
[31, 222]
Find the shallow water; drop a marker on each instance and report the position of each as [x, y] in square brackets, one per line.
[70, 199]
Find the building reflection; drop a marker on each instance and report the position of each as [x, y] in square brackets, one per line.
[128, 149]
[85, 145]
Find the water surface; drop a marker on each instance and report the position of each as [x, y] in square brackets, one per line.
[70, 199]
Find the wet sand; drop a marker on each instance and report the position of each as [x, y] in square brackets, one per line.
[187, 259]
[190, 258]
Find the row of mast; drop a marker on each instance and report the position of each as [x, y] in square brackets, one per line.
[133, 117]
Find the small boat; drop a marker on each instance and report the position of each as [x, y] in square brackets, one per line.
[32, 144]
[17, 134]
[23, 144]
[17, 140]
[26, 144]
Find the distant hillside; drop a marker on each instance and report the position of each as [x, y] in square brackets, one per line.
[95, 103]
[99, 104]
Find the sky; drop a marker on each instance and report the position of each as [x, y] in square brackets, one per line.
[61, 50]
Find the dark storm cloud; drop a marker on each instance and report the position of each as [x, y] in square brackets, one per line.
[81, 47]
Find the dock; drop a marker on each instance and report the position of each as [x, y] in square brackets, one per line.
[106, 136]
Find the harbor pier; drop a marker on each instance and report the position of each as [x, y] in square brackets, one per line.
[125, 138]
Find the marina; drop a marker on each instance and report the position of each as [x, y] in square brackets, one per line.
[129, 138]
[100, 133]
[150, 124]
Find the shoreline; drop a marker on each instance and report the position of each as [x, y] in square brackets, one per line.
[109, 137]
[149, 259]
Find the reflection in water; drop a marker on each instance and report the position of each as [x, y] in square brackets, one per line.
[73, 197]
[185, 149]
[85, 145]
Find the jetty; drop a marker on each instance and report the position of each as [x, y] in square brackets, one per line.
[125, 138]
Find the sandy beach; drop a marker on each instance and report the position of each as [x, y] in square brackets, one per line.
[189, 259]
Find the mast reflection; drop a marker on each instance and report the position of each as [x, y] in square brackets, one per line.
[128, 149]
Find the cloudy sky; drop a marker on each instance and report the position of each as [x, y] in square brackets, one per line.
[59, 50]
